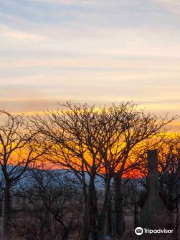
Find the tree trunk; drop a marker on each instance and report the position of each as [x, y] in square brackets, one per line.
[107, 214]
[92, 206]
[154, 209]
[6, 218]
[85, 215]
[118, 207]
[108, 220]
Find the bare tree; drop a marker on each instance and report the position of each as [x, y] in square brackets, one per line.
[134, 127]
[79, 135]
[169, 166]
[19, 147]
[53, 196]
[169, 179]
[98, 142]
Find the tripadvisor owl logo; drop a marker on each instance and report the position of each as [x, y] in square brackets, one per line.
[138, 231]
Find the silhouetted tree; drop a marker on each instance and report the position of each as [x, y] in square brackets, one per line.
[54, 196]
[98, 142]
[19, 147]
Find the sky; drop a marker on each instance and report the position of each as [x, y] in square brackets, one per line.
[95, 51]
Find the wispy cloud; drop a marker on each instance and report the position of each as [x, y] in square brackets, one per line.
[7, 32]
[89, 50]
